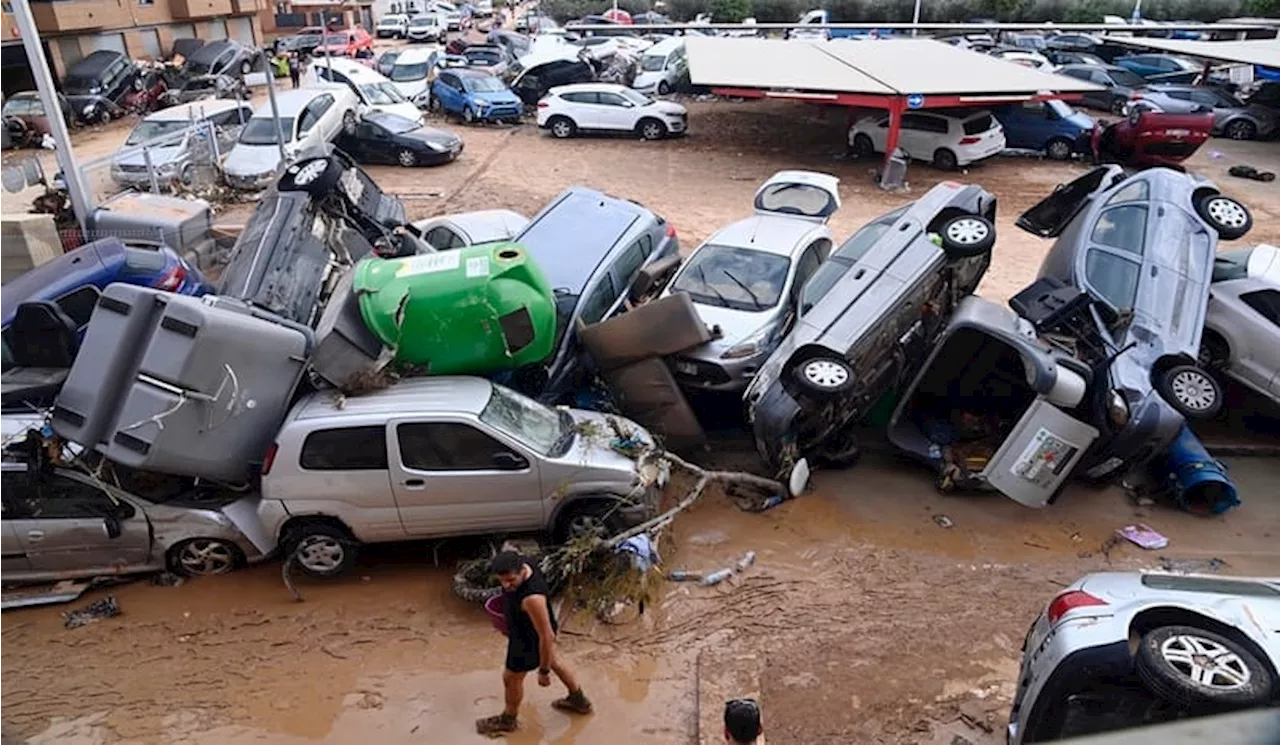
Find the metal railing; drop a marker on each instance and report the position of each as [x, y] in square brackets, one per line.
[185, 161]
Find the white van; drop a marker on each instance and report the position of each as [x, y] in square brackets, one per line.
[375, 91]
[413, 72]
[661, 67]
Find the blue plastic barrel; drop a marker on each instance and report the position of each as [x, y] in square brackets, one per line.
[1198, 481]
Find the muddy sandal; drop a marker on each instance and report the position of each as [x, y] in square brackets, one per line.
[497, 725]
[574, 703]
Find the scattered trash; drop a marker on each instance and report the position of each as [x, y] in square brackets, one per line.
[943, 521]
[747, 560]
[1197, 481]
[1215, 155]
[642, 551]
[1191, 566]
[166, 579]
[716, 577]
[681, 575]
[1143, 535]
[92, 613]
[771, 502]
[1249, 172]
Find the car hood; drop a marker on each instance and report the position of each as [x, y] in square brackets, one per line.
[592, 458]
[734, 325]
[496, 97]
[437, 136]
[251, 160]
[159, 156]
[405, 109]
[1081, 120]
[669, 108]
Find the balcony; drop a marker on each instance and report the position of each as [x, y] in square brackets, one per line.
[79, 15]
[199, 8]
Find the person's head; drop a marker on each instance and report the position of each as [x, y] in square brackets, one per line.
[742, 721]
[509, 566]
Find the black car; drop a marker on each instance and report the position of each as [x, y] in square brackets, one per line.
[1121, 85]
[388, 138]
[300, 43]
[224, 57]
[532, 84]
[1064, 57]
[387, 60]
[97, 84]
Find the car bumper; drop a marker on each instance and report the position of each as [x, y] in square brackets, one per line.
[1077, 654]
[773, 423]
[492, 113]
[140, 179]
[250, 182]
[678, 125]
[981, 151]
[728, 376]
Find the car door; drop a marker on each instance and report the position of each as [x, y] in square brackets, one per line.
[1264, 364]
[64, 523]
[583, 108]
[1029, 124]
[615, 112]
[1101, 99]
[454, 476]
[448, 90]
[13, 557]
[915, 138]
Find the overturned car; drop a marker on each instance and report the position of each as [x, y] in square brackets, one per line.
[867, 317]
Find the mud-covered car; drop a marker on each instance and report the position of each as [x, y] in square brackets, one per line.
[1141, 247]
[868, 316]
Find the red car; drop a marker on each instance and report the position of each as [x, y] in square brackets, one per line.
[351, 42]
[1147, 139]
[148, 93]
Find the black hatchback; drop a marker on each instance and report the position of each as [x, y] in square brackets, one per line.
[382, 137]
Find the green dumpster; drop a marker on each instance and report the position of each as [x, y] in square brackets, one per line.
[470, 310]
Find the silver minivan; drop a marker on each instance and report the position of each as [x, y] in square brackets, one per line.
[444, 456]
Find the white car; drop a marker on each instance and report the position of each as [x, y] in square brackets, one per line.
[430, 27]
[948, 139]
[484, 8]
[392, 26]
[746, 278]
[1242, 325]
[1117, 650]
[661, 67]
[606, 107]
[1034, 60]
[375, 91]
[413, 72]
[308, 117]
[470, 228]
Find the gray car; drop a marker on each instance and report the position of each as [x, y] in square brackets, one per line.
[1141, 248]
[1120, 85]
[1117, 650]
[591, 246]
[746, 278]
[867, 318]
[173, 143]
[1231, 118]
[1242, 328]
[62, 524]
[444, 456]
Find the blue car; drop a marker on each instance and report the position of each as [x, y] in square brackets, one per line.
[1161, 68]
[1051, 127]
[474, 95]
[74, 280]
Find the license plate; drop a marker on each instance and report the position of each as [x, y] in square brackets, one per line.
[1177, 132]
[686, 368]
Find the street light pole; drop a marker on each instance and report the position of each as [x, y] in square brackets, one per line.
[915, 18]
[271, 96]
[81, 199]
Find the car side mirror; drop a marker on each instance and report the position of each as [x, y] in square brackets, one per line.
[111, 526]
[505, 461]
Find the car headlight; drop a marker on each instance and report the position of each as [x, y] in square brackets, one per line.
[167, 169]
[482, 104]
[88, 109]
[1117, 408]
[751, 345]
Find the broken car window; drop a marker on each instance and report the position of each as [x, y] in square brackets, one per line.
[523, 418]
[732, 277]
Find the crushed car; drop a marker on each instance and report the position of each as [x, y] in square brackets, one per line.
[1149, 139]
[1241, 337]
[867, 317]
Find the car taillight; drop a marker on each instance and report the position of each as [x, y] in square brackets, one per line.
[671, 230]
[1069, 601]
[271, 458]
[543, 104]
[1135, 96]
[970, 140]
[172, 280]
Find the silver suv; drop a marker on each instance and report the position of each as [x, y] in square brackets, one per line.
[443, 456]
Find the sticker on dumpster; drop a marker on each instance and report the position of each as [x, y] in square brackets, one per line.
[430, 263]
[1044, 458]
[477, 266]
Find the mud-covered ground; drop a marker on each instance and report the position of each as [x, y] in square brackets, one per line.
[874, 623]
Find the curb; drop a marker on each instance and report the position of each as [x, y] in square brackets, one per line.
[1242, 450]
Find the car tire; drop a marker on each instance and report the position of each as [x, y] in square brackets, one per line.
[945, 160]
[651, 129]
[825, 375]
[589, 516]
[468, 115]
[1118, 106]
[103, 117]
[664, 88]
[1241, 129]
[562, 127]
[187, 176]
[863, 147]
[1170, 664]
[1215, 354]
[433, 104]
[349, 122]
[304, 176]
[966, 235]
[1059, 149]
[1229, 218]
[201, 557]
[246, 67]
[407, 158]
[321, 549]
[1193, 392]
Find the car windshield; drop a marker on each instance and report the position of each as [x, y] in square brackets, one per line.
[528, 421]
[146, 131]
[261, 130]
[483, 85]
[23, 107]
[482, 56]
[653, 63]
[639, 99]
[1061, 108]
[732, 277]
[1127, 78]
[1233, 264]
[397, 125]
[407, 72]
[381, 93]
[422, 21]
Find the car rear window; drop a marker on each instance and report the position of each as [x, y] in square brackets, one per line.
[978, 125]
[345, 449]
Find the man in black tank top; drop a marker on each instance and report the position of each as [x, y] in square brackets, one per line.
[531, 637]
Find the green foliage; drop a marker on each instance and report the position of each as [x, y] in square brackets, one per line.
[729, 11]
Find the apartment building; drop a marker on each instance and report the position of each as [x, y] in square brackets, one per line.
[143, 29]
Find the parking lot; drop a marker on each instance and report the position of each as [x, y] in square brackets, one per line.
[871, 619]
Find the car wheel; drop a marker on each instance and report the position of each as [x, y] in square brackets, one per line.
[664, 88]
[246, 67]
[1058, 149]
[1241, 129]
[562, 127]
[349, 122]
[314, 176]
[825, 374]
[187, 176]
[598, 518]
[1192, 667]
[863, 147]
[651, 129]
[321, 549]
[407, 158]
[103, 117]
[967, 235]
[1214, 352]
[945, 160]
[468, 115]
[1118, 106]
[1225, 215]
[199, 557]
[1190, 390]
[433, 104]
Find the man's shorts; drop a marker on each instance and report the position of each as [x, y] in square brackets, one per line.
[522, 655]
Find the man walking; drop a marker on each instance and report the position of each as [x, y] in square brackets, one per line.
[742, 721]
[295, 68]
[531, 638]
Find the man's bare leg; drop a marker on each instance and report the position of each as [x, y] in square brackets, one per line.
[575, 702]
[513, 694]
